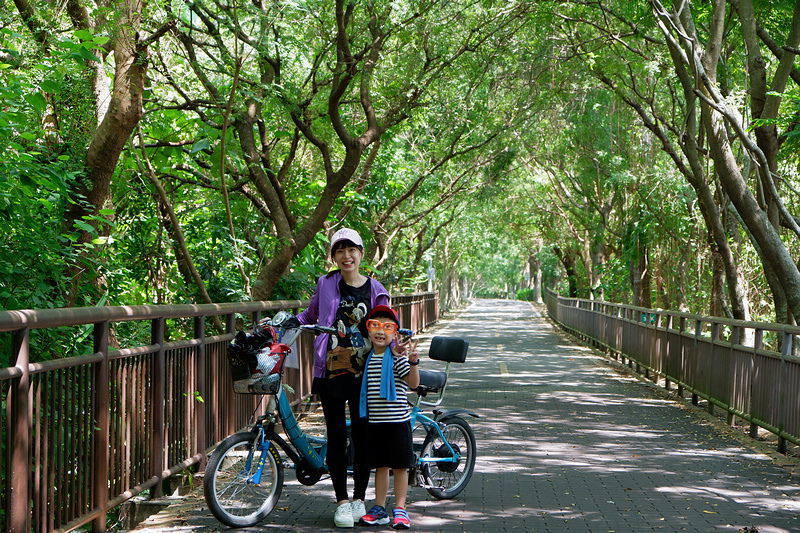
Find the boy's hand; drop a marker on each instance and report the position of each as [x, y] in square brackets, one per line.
[399, 348]
[411, 351]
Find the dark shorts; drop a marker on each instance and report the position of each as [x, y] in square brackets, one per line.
[389, 445]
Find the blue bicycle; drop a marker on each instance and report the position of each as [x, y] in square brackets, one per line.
[244, 477]
[446, 454]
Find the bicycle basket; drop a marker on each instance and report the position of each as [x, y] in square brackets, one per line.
[256, 363]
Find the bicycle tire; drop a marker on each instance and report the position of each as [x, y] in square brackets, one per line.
[444, 480]
[230, 497]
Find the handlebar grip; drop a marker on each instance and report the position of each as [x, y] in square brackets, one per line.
[406, 332]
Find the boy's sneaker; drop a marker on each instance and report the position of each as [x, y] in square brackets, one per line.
[377, 516]
[359, 510]
[344, 516]
[401, 520]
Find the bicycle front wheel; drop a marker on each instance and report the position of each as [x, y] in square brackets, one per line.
[233, 495]
[449, 474]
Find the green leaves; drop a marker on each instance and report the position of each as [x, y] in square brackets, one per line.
[200, 145]
[82, 48]
[37, 101]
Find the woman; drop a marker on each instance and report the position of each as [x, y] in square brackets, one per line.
[343, 299]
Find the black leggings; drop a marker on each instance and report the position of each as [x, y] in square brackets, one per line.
[336, 424]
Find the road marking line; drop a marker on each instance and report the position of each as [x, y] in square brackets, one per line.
[503, 369]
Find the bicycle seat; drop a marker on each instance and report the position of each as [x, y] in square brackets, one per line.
[432, 380]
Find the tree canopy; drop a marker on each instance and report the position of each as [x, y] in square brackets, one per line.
[201, 151]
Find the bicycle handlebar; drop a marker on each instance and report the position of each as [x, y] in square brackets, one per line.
[280, 322]
[319, 329]
[333, 331]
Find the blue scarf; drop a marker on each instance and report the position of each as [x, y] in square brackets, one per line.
[388, 390]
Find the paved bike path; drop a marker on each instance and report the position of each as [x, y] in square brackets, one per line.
[565, 443]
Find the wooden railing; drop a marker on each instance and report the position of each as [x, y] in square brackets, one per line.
[84, 434]
[745, 368]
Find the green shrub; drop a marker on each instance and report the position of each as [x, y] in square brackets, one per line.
[525, 294]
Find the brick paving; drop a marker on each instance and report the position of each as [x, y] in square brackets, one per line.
[566, 442]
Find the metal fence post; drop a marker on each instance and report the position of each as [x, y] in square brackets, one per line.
[18, 443]
[698, 331]
[683, 349]
[230, 417]
[786, 351]
[667, 352]
[758, 344]
[736, 338]
[202, 390]
[101, 427]
[157, 454]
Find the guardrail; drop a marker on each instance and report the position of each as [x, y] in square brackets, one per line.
[732, 364]
[84, 434]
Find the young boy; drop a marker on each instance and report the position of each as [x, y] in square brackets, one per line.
[388, 377]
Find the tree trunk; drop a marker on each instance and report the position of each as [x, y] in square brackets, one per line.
[568, 262]
[535, 267]
[598, 264]
[290, 243]
[756, 219]
[717, 307]
[117, 112]
[695, 173]
[680, 280]
[765, 97]
[641, 279]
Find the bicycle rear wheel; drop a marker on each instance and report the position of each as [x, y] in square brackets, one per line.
[446, 479]
[231, 494]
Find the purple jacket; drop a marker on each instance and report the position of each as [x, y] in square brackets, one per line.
[322, 311]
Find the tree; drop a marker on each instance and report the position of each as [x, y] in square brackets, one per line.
[321, 85]
[636, 51]
[115, 107]
[719, 118]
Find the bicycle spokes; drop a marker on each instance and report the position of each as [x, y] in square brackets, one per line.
[448, 458]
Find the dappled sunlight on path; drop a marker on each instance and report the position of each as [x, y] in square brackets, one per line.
[583, 448]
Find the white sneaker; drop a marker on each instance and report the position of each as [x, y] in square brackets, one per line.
[359, 510]
[344, 516]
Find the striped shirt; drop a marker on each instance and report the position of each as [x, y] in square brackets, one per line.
[380, 409]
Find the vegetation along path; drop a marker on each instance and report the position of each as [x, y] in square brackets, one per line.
[565, 443]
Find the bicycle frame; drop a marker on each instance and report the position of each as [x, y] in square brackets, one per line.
[303, 447]
[263, 445]
[428, 423]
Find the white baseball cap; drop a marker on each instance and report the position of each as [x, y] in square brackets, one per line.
[346, 234]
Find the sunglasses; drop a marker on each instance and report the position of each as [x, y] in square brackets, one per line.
[376, 325]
